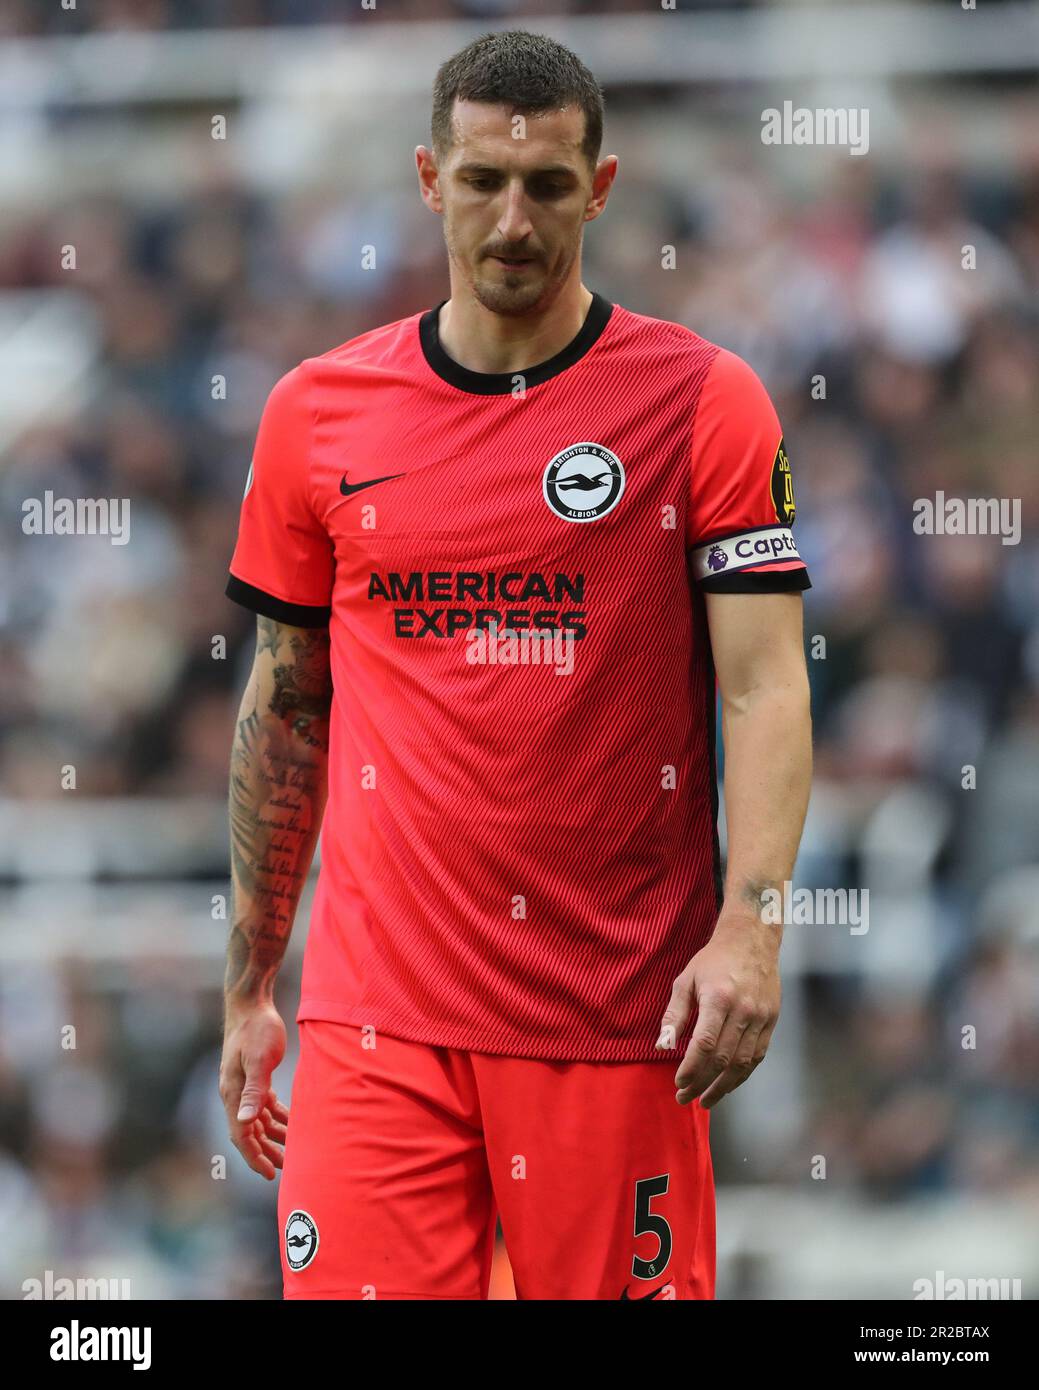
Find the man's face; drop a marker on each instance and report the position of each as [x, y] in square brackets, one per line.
[515, 193]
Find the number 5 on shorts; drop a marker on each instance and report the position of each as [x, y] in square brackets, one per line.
[648, 1220]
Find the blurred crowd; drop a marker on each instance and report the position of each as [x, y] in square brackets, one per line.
[29, 17]
[898, 374]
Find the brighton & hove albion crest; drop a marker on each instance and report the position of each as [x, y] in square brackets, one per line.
[301, 1240]
[584, 482]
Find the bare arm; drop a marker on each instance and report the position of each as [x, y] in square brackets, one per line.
[767, 732]
[758, 649]
[279, 771]
[279, 781]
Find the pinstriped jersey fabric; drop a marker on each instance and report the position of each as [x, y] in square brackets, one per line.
[519, 849]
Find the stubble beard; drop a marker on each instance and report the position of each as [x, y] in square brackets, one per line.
[511, 296]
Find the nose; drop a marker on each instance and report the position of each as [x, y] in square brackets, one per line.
[514, 223]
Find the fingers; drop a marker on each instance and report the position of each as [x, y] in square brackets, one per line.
[269, 1146]
[256, 1119]
[250, 1146]
[261, 1143]
[255, 1092]
[732, 1065]
[697, 1068]
[749, 1054]
[272, 1127]
[676, 1015]
[260, 1140]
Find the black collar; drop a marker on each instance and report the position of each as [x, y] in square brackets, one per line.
[503, 383]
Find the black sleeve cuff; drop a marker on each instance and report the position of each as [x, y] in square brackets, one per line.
[294, 614]
[773, 582]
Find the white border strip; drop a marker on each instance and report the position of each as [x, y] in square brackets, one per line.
[743, 552]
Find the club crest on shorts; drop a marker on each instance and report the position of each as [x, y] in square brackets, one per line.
[584, 482]
[300, 1240]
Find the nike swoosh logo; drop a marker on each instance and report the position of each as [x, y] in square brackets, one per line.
[347, 489]
[642, 1297]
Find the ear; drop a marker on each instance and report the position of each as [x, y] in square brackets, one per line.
[428, 178]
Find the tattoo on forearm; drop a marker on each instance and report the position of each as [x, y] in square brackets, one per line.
[278, 782]
[301, 687]
[268, 634]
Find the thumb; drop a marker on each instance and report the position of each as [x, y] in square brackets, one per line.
[676, 1015]
[254, 1092]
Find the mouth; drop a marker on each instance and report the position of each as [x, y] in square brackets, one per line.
[513, 265]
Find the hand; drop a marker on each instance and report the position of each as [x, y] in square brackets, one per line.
[734, 980]
[254, 1044]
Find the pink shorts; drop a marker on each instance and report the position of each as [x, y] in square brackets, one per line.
[400, 1157]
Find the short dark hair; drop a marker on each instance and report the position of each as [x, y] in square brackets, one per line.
[528, 72]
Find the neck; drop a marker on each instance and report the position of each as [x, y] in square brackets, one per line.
[484, 341]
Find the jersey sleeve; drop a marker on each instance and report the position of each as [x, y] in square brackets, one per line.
[741, 505]
[283, 565]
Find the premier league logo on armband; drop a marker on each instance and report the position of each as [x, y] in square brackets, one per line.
[783, 487]
[717, 558]
[584, 482]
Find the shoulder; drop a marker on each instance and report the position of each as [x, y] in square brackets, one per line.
[733, 391]
[721, 387]
[375, 347]
[720, 376]
[652, 335]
